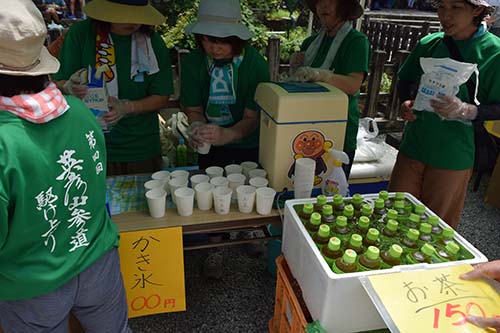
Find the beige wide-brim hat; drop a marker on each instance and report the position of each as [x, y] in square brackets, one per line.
[124, 11]
[22, 37]
[219, 18]
[357, 13]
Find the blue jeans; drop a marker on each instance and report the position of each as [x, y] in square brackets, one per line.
[96, 297]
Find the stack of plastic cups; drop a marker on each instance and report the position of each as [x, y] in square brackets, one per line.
[304, 177]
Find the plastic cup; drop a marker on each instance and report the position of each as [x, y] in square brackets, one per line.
[222, 200]
[198, 179]
[214, 171]
[264, 198]
[257, 173]
[176, 183]
[204, 148]
[162, 175]
[179, 173]
[258, 182]
[303, 181]
[184, 198]
[156, 199]
[246, 198]
[247, 166]
[233, 168]
[235, 180]
[219, 181]
[154, 183]
[204, 196]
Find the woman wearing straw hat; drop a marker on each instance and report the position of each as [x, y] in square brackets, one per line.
[218, 82]
[436, 156]
[338, 55]
[138, 78]
[57, 243]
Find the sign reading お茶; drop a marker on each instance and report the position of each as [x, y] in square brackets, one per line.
[152, 265]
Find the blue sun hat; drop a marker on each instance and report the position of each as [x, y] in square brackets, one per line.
[219, 18]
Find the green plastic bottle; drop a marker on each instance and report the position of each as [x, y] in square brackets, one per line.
[391, 257]
[370, 260]
[399, 196]
[447, 236]
[320, 201]
[384, 195]
[357, 204]
[391, 215]
[379, 209]
[434, 221]
[322, 237]
[372, 238]
[449, 253]
[327, 216]
[367, 210]
[341, 230]
[181, 153]
[346, 263]
[425, 233]
[338, 204]
[332, 251]
[413, 221]
[349, 214]
[363, 225]
[408, 206]
[312, 226]
[356, 244]
[410, 240]
[424, 255]
[420, 211]
[305, 213]
[399, 206]
[389, 234]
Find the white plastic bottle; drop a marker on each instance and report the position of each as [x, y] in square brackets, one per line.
[336, 182]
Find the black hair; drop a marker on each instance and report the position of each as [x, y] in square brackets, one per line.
[11, 85]
[105, 27]
[236, 43]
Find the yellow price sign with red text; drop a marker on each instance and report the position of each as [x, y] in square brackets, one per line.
[152, 264]
[433, 300]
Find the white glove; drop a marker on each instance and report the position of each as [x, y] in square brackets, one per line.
[76, 85]
[194, 139]
[305, 74]
[453, 108]
[117, 110]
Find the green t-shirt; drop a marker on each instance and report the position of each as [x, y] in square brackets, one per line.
[53, 219]
[133, 138]
[441, 143]
[353, 56]
[195, 81]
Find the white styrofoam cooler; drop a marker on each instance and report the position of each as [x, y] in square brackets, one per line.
[340, 302]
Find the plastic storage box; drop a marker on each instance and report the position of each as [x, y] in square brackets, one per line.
[340, 302]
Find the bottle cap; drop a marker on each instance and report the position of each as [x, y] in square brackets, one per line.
[338, 199]
[384, 195]
[366, 209]
[400, 196]
[399, 204]
[452, 248]
[392, 225]
[349, 256]
[373, 252]
[392, 214]
[413, 234]
[419, 209]
[395, 251]
[428, 249]
[348, 211]
[341, 221]
[321, 200]
[414, 218]
[448, 233]
[372, 234]
[181, 141]
[357, 198]
[433, 220]
[379, 203]
[315, 219]
[334, 244]
[308, 208]
[425, 228]
[324, 231]
[356, 240]
[327, 210]
[363, 222]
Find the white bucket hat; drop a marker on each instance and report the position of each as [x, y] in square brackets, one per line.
[22, 35]
[219, 18]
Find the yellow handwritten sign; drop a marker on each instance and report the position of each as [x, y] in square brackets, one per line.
[435, 300]
[152, 264]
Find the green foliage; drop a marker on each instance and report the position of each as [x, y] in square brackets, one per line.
[385, 83]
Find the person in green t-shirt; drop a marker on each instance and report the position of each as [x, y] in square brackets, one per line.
[338, 55]
[138, 77]
[58, 245]
[436, 155]
[218, 83]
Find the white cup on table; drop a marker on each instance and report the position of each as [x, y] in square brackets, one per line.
[214, 171]
[257, 173]
[184, 198]
[247, 166]
[222, 200]
[204, 196]
[258, 182]
[233, 168]
[219, 181]
[156, 199]
[179, 173]
[246, 198]
[235, 180]
[176, 183]
[264, 197]
[153, 183]
[198, 179]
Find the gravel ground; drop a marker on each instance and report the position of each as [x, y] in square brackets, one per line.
[243, 300]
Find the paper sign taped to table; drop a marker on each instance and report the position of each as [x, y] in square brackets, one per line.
[152, 264]
[431, 300]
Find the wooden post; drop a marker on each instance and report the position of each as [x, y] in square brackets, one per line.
[393, 112]
[273, 57]
[376, 71]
